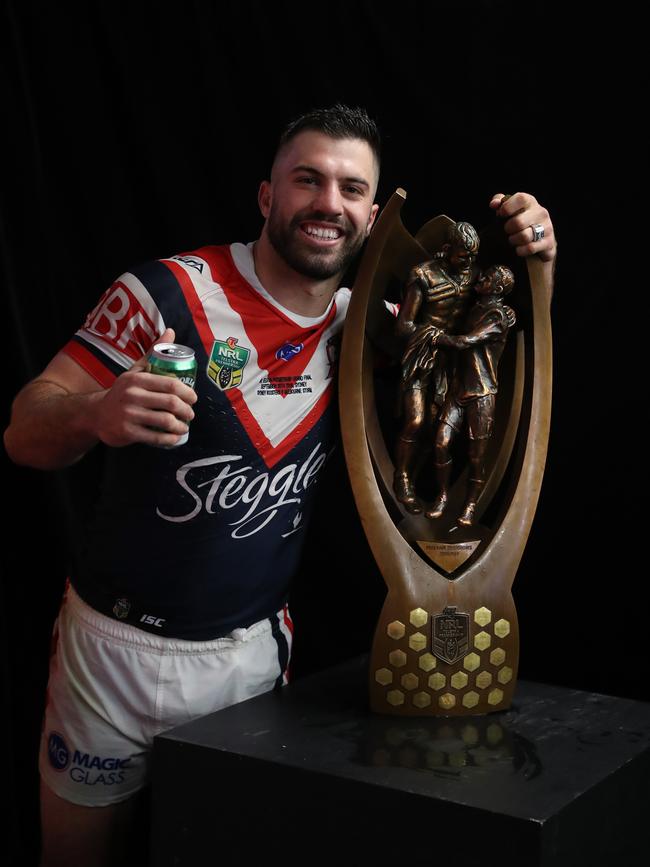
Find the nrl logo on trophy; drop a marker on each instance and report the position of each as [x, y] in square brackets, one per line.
[450, 632]
[445, 445]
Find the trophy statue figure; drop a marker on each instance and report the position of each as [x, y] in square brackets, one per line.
[472, 395]
[436, 300]
[447, 640]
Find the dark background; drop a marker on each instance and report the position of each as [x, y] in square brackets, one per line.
[134, 131]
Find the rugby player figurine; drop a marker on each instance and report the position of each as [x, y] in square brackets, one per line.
[436, 299]
[472, 396]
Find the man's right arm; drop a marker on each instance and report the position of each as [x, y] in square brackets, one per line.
[64, 412]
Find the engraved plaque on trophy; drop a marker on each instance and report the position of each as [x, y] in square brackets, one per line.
[445, 394]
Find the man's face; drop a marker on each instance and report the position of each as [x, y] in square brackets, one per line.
[318, 204]
[460, 258]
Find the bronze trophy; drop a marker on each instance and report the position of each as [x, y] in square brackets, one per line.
[448, 518]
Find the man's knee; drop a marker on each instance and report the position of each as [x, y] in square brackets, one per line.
[92, 836]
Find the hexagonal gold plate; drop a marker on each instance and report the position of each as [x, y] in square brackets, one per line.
[384, 676]
[396, 630]
[417, 641]
[459, 680]
[418, 617]
[447, 701]
[410, 681]
[498, 656]
[505, 675]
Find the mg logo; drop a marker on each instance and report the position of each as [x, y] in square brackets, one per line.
[58, 752]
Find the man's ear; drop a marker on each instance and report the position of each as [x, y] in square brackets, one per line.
[371, 218]
[264, 198]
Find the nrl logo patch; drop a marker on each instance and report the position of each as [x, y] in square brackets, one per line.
[227, 362]
[450, 634]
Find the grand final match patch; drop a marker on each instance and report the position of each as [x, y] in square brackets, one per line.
[227, 362]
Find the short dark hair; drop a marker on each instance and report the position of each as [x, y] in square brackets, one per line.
[339, 121]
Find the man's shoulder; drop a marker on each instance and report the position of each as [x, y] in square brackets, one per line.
[207, 261]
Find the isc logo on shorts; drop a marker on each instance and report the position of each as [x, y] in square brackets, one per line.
[152, 620]
[84, 768]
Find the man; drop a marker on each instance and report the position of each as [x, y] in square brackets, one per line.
[178, 607]
[435, 300]
[472, 395]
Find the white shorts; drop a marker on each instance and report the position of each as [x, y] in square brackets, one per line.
[113, 687]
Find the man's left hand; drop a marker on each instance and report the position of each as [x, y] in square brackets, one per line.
[523, 215]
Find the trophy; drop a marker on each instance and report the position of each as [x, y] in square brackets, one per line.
[445, 394]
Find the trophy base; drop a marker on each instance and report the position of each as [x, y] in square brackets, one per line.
[451, 655]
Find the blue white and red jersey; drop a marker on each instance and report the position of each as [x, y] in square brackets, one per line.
[203, 538]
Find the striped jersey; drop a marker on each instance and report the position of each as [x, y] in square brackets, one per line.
[200, 539]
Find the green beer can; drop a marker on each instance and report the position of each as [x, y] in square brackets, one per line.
[173, 359]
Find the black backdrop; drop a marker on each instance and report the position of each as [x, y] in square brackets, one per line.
[139, 130]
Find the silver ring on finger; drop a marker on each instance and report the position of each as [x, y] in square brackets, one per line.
[538, 232]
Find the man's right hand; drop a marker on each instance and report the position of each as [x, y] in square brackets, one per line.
[64, 412]
[143, 407]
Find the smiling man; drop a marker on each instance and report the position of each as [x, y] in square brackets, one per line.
[177, 606]
[319, 209]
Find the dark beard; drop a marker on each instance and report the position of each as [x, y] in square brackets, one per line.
[317, 265]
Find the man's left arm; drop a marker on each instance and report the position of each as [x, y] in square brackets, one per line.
[521, 212]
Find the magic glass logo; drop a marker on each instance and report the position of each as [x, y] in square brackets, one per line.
[58, 752]
[85, 768]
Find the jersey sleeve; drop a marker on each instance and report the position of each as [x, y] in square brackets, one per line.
[129, 317]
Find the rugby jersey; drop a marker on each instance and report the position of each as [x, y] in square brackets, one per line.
[200, 539]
